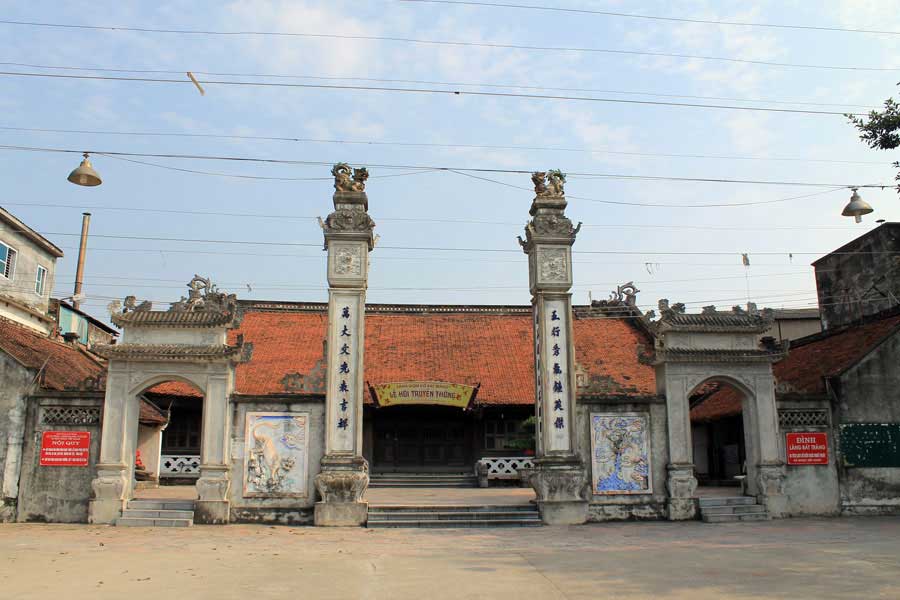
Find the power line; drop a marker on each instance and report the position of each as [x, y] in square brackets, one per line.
[433, 145]
[252, 177]
[433, 82]
[835, 186]
[372, 88]
[203, 213]
[459, 249]
[495, 45]
[608, 13]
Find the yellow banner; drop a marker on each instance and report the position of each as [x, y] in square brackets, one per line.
[434, 393]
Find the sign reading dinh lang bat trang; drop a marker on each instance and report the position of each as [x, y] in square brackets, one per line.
[433, 393]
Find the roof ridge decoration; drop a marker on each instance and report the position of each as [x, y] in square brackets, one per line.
[674, 318]
[204, 306]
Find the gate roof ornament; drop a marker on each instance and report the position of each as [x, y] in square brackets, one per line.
[733, 336]
[204, 306]
[737, 320]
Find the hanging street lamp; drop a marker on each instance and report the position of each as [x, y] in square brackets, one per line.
[85, 174]
[857, 207]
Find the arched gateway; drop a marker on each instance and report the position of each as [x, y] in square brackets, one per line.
[187, 343]
[695, 349]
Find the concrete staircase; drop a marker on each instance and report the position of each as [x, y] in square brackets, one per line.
[732, 509]
[422, 480]
[157, 513]
[453, 516]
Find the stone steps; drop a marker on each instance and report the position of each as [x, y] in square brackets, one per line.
[420, 480]
[732, 509]
[157, 513]
[453, 516]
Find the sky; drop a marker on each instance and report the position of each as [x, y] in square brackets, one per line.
[626, 236]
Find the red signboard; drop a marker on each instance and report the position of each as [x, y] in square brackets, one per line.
[65, 448]
[807, 448]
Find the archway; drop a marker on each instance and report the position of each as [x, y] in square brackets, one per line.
[718, 437]
[188, 344]
[171, 455]
[719, 347]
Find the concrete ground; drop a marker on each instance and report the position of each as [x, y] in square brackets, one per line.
[849, 558]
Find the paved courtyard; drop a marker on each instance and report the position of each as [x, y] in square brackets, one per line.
[799, 558]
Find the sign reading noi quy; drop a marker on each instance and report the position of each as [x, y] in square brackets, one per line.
[433, 393]
[65, 448]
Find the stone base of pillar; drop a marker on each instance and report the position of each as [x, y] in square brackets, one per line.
[341, 514]
[8, 510]
[681, 485]
[559, 486]
[770, 483]
[341, 485]
[213, 507]
[109, 494]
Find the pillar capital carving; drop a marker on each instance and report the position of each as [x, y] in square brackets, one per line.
[549, 235]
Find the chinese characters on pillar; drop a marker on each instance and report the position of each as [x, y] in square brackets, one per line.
[344, 380]
[556, 365]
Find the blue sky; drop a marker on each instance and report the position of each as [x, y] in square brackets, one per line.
[619, 136]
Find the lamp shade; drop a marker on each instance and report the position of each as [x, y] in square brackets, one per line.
[85, 174]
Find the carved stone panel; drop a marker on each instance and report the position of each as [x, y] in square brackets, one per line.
[553, 266]
[276, 455]
[347, 261]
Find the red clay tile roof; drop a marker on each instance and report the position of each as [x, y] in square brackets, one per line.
[174, 388]
[726, 401]
[458, 345]
[150, 415]
[67, 367]
[828, 354]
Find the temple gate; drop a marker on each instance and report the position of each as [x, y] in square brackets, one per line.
[693, 349]
[188, 343]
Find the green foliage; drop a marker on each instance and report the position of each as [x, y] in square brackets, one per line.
[525, 444]
[881, 130]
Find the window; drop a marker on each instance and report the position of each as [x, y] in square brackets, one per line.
[7, 261]
[40, 280]
[503, 435]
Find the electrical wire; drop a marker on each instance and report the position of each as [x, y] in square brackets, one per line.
[433, 82]
[469, 170]
[204, 213]
[373, 88]
[608, 13]
[452, 43]
[437, 145]
[461, 249]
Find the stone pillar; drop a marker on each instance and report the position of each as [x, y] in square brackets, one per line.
[12, 466]
[112, 485]
[213, 506]
[348, 240]
[769, 475]
[559, 479]
[680, 481]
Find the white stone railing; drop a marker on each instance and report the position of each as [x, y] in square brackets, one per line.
[179, 465]
[506, 467]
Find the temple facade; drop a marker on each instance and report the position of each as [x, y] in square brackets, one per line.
[289, 412]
